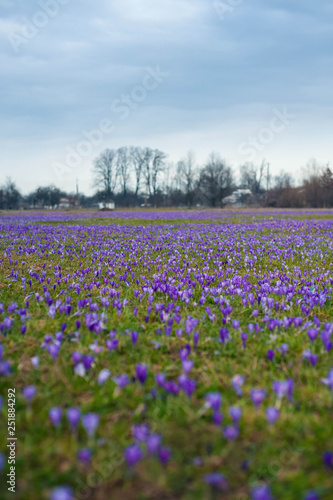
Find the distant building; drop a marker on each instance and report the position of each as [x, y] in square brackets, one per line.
[238, 198]
[64, 203]
[105, 206]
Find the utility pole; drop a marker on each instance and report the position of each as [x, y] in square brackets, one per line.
[267, 181]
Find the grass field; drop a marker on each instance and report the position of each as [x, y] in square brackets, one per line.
[192, 350]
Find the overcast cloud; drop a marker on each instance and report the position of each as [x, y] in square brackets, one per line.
[224, 70]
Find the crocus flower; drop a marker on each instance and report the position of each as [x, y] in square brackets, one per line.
[217, 418]
[164, 455]
[140, 432]
[328, 459]
[112, 344]
[133, 454]
[261, 493]
[257, 396]
[153, 443]
[55, 415]
[214, 400]
[237, 382]
[312, 334]
[244, 337]
[215, 479]
[29, 392]
[35, 361]
[103, 376]
[230, 432]
[311, 495]
[73, 417]
[84, 455]
[309, 356]
[134, 336]
[329, 380]
[141, 373]
[160, 379]
[272, 414]
[90, 423]
[62, 493]
[235, 414]
[121, 380]
[281, 388]
[270, 354]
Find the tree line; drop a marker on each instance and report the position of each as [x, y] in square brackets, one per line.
[136, 176]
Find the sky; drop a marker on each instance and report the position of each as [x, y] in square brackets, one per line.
[250, 79]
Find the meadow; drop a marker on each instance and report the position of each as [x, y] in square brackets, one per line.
[167, 355]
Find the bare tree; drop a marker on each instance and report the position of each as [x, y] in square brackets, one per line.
[105, 173]
[153, 165]
[312, 185]
[123, 168]
[137, 160]
[158, 164]
[9, 195]
[252, 177]
[216, 180]
[186, 173]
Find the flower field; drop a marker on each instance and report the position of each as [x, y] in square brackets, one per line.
[167, 356]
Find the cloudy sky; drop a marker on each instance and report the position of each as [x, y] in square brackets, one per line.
[250, 79]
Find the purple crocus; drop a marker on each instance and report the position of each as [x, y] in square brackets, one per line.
[153, 443]
[103, 376]
[141, 373]
[312, 495]
[84, 455]
[281, 388]
[312, 334]
[62, 493]
[329, 380]
[270, 354]
[214, 401]
[133, 454]
[90, 423]
[328, 459]
[272, 414]
[73, 417]
[35, 361]
[164, 455]
[230, 432]
[309, 356]
[140, 432]
[121, 380]
[215, 479]
[244, 337]
[134, 337]
[237, 382]
[224, 335]
[29, 392]
[257, 396]
[261, 493]
[160, 379]
[55, 415]
[235, 414]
